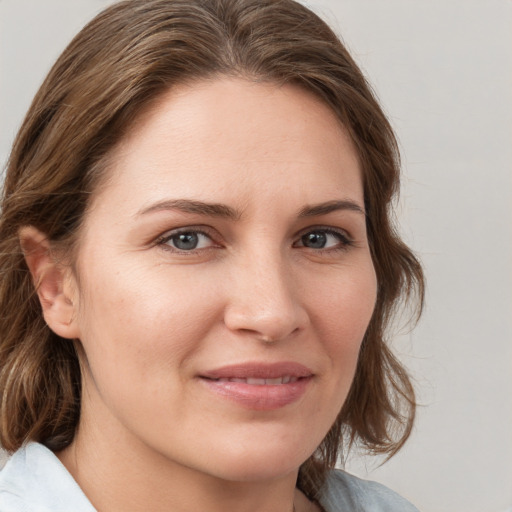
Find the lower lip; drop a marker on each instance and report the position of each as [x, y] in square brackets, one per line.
[260, 398]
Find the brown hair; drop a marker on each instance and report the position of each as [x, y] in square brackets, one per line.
[120, 62]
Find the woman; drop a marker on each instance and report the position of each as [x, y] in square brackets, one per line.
[198, 268]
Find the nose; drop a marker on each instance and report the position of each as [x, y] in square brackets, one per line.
[264, 301]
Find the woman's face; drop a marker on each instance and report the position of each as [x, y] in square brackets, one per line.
[225, 281]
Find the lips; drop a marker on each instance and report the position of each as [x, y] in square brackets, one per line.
[262, 382]
[259, 386]
[259, 371]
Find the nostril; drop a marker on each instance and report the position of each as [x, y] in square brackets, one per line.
[265, 338]
[268, 310]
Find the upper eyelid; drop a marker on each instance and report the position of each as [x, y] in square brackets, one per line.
[205, 230]
[329, 229]
[211, 232]
[163, 241]
[166, 236]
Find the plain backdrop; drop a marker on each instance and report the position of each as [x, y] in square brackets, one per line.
[443, 71]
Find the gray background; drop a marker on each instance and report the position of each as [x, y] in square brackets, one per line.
[443, 70]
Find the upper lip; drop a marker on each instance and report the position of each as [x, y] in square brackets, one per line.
[258, 370]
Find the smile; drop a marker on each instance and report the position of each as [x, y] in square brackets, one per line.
[261, 382]
[259, 386]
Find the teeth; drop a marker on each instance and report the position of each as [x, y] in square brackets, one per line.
[256, 382]
[273, 382]
[252, 381]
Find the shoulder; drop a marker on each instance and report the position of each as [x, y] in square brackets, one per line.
[343, 491]
[33, 479]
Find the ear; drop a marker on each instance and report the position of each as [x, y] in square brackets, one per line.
[54, 282]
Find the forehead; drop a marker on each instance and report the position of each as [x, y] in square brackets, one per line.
[228, 137]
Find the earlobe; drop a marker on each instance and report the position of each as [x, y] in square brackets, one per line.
[54, 283]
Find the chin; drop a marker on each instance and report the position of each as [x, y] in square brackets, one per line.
[256, 471]
[260, 462]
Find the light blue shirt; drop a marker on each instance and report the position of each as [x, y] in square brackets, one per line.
[34, 480]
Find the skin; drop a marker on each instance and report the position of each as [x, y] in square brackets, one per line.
[151, 318]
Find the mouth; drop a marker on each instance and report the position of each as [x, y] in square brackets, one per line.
[252, 381]
[260, 374]
[259, 386]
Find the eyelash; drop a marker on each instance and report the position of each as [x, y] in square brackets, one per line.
[164, 240]
[344, 240]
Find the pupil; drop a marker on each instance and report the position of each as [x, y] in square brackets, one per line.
[186, 241]
[314, 240]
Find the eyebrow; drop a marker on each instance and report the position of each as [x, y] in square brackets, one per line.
[225, 211]
[191, 206]
[330, 206]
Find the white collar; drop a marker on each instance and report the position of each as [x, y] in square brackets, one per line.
[34, 479]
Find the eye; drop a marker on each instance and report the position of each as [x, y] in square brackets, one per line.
[323, 238]
[188, 240]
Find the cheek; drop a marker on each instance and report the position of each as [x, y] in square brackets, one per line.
[139, 327]
[345, 302]
[343, 312]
